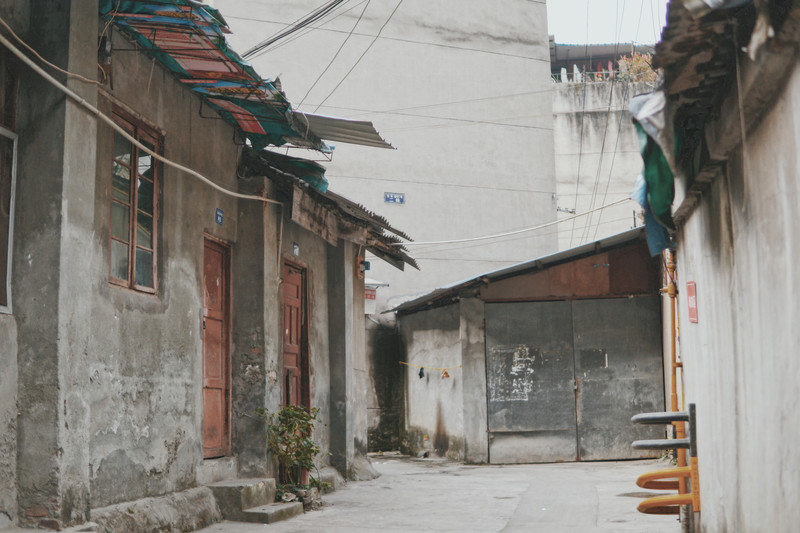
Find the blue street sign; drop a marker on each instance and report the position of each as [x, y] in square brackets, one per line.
[219, 216]
[394, 197]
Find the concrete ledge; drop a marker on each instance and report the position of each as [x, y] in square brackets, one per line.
[274, 512]
[181, 511]
[331, 476]
[236, 495]
[215, 470]
[87, 527]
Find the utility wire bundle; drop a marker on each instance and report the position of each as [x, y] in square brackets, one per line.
[297, 26]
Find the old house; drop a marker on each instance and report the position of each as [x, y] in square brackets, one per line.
[543, 361]
[724, 133]
[162, 275]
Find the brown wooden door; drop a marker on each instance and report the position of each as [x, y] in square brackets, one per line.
[295, 360]
[216, 351]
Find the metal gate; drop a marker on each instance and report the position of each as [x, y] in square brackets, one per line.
[564, 378]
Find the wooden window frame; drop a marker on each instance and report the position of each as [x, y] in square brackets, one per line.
[9, 88]
[143, 133]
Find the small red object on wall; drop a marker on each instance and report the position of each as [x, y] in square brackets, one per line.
[691, 297]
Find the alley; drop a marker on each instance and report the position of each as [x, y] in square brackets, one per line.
[423, 495]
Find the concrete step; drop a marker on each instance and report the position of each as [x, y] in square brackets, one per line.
[215, 470]
[236, 495]
[274, 512]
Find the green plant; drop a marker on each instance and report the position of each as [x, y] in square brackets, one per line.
[289, 440]
[637, 67]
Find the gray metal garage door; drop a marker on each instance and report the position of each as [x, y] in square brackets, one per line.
[564, 378]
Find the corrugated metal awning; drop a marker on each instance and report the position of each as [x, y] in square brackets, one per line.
[344, 130]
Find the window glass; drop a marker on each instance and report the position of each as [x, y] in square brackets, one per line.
[144, 230]
[144, 268]
[121, 183]
[119, 260]
[134, 185]
[145, 196]
[120, 221]
[122, 148]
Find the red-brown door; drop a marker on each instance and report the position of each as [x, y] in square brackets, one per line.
[216, 352]
[295, 360]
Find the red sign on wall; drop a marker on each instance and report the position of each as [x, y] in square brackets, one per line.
[691, 297]
[369, 294]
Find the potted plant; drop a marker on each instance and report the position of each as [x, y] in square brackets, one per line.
[289, 440]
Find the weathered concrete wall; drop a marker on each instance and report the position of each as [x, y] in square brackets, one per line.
[435, 418]
[362, 389]
[478, 98]
[386, 405]
[255, 327]
[8, 420]
[473, 359]
[17, 15]
[741, 247]
[596, 157]
[41, 220]
[341, 261]
[142, 385]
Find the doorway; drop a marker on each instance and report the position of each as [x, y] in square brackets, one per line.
[296, 372]
[216, 349]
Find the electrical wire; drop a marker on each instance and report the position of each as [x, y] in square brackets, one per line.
[308, 20]
[549, 90]
[583, 116]
[419, 253]
[305, 31]
[439, 184]
[399, 39]
[43, 60]
[497, 235]
[119, 129]
[335, 55]
[592, 203]
[613, 159]
[361, 56]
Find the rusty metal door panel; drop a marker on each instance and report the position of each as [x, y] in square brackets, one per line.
[618, 372]
[530, 372]
[216, 353]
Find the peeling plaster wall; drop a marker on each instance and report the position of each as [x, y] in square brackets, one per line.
[8, 420]
[48, 488]
[595, 142]
[17, 15]
[144, 354]
[435, 417]
[741, 247]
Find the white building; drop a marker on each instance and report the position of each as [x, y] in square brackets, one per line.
[460, 87]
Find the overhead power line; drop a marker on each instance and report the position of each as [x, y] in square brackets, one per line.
[523, 230]
[336, 54]
[361, 56]
[297, 26]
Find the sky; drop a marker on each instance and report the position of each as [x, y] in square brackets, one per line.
[610, 21]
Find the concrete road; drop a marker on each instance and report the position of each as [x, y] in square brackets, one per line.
[426, 495]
